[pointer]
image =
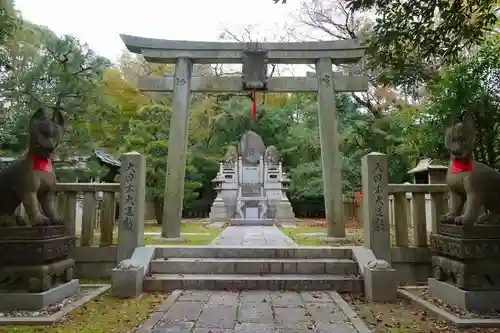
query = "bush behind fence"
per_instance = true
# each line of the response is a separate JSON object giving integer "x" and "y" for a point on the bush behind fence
{"x": 304, "y": 208}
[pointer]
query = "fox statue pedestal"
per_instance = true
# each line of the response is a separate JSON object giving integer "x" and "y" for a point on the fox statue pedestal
{"x": 465, "y": 265}
{"x": 35, "y": 268}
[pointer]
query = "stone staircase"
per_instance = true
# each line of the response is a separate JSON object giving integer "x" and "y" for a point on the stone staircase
{"x": 246, "y": 268}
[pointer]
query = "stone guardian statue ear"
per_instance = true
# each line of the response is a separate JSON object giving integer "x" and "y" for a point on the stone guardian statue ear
{"x": 58, "y": 118}
{"x": 470, "y": 128}
{"x": 469, "y": 123}
{"x": 38, "y": 115}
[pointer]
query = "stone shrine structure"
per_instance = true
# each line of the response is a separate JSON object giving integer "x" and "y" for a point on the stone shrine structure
{"x": 251, "y": 185}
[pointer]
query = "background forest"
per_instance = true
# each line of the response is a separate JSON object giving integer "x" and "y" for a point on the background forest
{"x": 425, "y": 70}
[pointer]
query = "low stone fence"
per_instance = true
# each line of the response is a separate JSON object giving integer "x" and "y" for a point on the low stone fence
{"x": 397, "y": 219}
{"x": 89, "y": 210}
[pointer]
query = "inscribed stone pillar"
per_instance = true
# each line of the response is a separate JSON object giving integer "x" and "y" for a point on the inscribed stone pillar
{"x": 132, "y": 204}
{"x": 330, "y": 156}
{"x": 177, "y": 147}
{"x": 376, "y": 205}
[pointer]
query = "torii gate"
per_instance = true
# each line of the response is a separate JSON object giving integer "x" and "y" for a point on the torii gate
{"x": 254, "y": 57}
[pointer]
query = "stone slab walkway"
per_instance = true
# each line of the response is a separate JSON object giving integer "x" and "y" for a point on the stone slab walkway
{"x": 253, "y": 236}
{"x": 200, "y": 311}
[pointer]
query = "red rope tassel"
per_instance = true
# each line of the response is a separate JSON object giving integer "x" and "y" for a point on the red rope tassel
{"x": 254, "y": 106}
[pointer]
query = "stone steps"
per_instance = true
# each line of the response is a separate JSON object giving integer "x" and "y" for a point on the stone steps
{"x": 311, "y": 282}
{"x": 204, "y": 251}
{"x": 253, "y": 266}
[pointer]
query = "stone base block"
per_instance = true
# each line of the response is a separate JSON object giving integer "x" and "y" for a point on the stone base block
{"x": 380, "y": 285}
{"x": 248, "y": 222}
{"x": 36, "y": 278}
{"x": 468, "y": 274}
{"x": 32, "y": 232}
{"x": 35, "y": 252}
{"x": 127, "y": 282}
{"x": 477, "y": 301}
{"x": 465, "y": 248}
{"x": 471, "y": 232}
{"x": 36, "y": 301}
{"x": 218, "y": 213}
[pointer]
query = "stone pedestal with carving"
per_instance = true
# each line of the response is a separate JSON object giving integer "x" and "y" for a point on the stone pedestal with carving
{"x": 35, "y": 265}
{"x": 218, "y": 211}
{"x": 465, "y": 266}
{"x": 284, "y": 211}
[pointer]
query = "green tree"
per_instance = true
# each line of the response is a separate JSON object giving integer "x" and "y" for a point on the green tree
{"x": 148, "y": 134}
{"x": 9, "y": 22}
{"x": 408, "y": 34}
{"x": 471, "y": 85}
{"x": 57, "y": 73}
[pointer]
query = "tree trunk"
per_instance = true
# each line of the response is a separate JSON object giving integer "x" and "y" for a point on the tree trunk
{"x": 158, "y": 203}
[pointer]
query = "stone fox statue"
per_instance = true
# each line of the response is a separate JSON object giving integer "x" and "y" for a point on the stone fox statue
{"x": 474, "y": 187}
{"x": 30, "y": 180}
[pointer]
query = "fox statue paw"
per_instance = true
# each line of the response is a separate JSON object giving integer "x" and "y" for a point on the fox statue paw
{"x": 41, "y": 220}
{"x": 464, "y": 220}
{"x": 449, "y": 219}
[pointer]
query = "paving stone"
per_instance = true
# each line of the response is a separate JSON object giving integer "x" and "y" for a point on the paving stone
{"x": 195, "y": 295}
{"x": 286, "y": 299}
{"x": 322, "y": 327}
{"x": 255, "y": 296}
{"x": 183, "y": 312}
{"x": 217, "y": 317}
{"x": 253, "y": 236}
{"x": 211, "y": 330}
{"x": 224, "y": 298}
{"x": 292, "y": 316}
{"x": 326, "y": 312}
{"x": 253, "y": 328}
{"x": 316, "y": 297}
{"x": 255, "y": 313}
{"x": 176, "y": 327}
{"x": 295, "y": 328}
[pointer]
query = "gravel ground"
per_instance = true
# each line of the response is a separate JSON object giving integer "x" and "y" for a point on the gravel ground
{"x": 51, "y": 309}
{"x": 463, "y": 314}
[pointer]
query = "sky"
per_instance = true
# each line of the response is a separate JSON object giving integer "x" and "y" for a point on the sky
{"x": 99, "y": 22}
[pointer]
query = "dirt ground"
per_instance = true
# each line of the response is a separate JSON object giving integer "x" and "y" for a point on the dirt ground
{"x": 404, "y": 317}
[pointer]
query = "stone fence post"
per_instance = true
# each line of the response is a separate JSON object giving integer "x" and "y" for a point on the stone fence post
{"x": 376, "y": 205}
{"x": 132, "y": 204}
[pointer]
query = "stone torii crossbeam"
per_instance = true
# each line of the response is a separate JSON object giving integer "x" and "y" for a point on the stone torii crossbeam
{"x": 185, "y": 53}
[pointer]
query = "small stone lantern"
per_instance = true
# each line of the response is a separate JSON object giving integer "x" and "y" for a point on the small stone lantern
{"x": 426, "y": 172}
{"x": 218, "y": 211}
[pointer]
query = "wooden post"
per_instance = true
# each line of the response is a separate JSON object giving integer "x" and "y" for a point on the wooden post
{"x": 107, "y": 218}
{"x": 88, "y": 218}
{"x": 376, "y": 205}
{"x": 401, "y": 219}
{"x": 132, "y": 201}
{"x": 419, "y": 222}
{"x": 177, "y": 147}
{"x": 330, "y": 153}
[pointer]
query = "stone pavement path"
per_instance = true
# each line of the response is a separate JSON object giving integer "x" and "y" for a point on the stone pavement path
{"x": 200, "y": 311}
{"x": 253, "y": 236}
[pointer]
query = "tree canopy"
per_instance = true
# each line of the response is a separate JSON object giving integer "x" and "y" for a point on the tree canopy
{"x": 419, "y": 83}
